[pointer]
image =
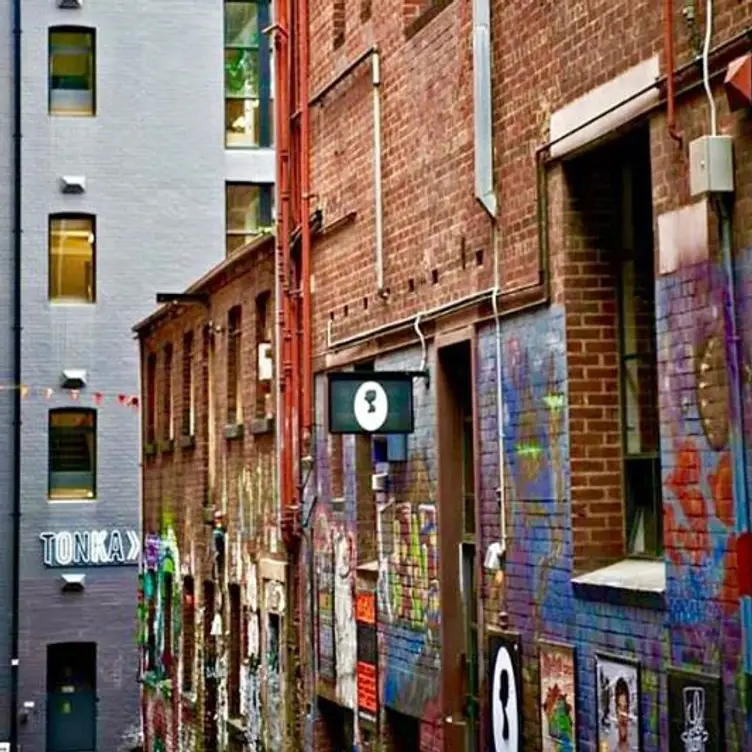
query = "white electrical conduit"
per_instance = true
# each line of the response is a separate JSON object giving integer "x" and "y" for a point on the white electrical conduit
{"x": 377, "y": 187}
{"x": 499, "y": 399}
{"x": 706, "y": 66}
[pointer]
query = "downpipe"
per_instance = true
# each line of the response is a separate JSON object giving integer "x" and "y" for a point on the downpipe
{"x": 17, "y": 229}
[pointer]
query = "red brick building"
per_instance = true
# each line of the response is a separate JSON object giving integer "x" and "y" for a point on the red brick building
{"x": 575, "y": 490}
{"x": 214, "y": 580}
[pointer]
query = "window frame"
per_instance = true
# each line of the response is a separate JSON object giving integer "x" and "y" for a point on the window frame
{"x": 188, "y": 391}
{"x": 265, "y": 86}
{"x": 91, "y": 33}
{"x": 188, "y": 636}
{"x": 637, "y": 250}
{"x": 266, "y": 212}
{"x": 234, "y": 365}
{"x": 72, "y": 216}
{"x": 168, "y": 392}
{"x": 93, "y": 430}
{"x": 150, "y": 407}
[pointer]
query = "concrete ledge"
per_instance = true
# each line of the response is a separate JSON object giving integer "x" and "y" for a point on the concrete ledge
{"x": 632, "y": 582}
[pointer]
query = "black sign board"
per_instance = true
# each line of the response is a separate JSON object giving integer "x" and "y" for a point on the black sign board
{"x": 371, "y": 402}
{"x": 505, "y": 687}
{"x": 695, "y": 712}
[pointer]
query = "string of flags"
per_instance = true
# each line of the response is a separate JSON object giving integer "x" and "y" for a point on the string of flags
{"x": 27, "y": 391}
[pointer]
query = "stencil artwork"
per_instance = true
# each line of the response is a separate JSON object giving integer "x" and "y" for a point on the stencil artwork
{"x": 617, "y": 691}
{"x": 558, "y": 698}
{"x": 695, "y": 714}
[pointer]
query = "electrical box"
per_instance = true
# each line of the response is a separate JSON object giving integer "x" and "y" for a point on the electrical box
{"x": 711, "y": 165}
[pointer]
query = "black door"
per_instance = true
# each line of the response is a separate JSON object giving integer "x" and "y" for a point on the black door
{"x": 72, "y": 697}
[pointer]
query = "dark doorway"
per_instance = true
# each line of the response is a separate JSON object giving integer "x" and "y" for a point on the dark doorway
{"x": 457, "y": 520}
{"x": 72, "y": 697}
{"x": 403, "y": 731}
{"x": 210, "y": 670}
{"x": 339, "y": 726}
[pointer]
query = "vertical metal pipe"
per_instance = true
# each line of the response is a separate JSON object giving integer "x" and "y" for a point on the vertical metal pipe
{"x": 17, "y": 228}
{"x": 377, "y": 179}
{"x": 668, "y": 50}
{"x": 305, "y": 187}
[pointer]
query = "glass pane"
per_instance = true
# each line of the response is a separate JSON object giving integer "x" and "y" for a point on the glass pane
{"x": 642, "y": 478}
{"x": 243, "y": 208}
{"x": 241, "y": 73}
{"x": 241, "y": 24}
{"x": 71, "y": 72}
{"x": 71, "y": 267}
{"x": 72, "y": 451}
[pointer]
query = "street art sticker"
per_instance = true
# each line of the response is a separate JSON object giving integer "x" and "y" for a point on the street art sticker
{"x": 324, "y": 569}
{"x": 505, "y": 701}
{"x": 617, "y": 693}
{"x": 695, "y": 712}
{"x": 558, "y": 697}
{"x": 345, "y": 630}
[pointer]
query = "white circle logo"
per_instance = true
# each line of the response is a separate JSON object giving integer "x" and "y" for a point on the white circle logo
{"x": 504, "y": 703}
{"x": 370, "y": 406}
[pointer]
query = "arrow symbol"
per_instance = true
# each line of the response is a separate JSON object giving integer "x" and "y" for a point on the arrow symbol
{"x": 134, "y": 546}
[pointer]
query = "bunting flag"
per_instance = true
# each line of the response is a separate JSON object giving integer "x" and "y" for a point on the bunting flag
{"x": 28, "y": 391}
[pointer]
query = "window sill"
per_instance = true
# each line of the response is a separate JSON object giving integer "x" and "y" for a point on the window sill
{"x": 53, "y": 500}
{"x": 167, "y": 446}
{"x": 187, "y": 441}
{"x": 261, "y": 426}
{"x": 233, "y": 431}
{"x": 630, "y": 582}
{"x": 425, "y": 17}
{"x": 63, "y": 303}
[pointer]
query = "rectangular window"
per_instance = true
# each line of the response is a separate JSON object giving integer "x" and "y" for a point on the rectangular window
{"x": 189, "y": 633}
{"x": 72, "y": 255}
{"x": 151, "y": 625}
{"x": 189, "y": 395}
{"x": 151, "y": 398}
{"x": 250, "y": 210}
{"x": 264, "y": 356}
{"x": 639, "y": 371}
{"x": 249, "y": 91}
{"x": 234, "y": 367}
{"x": 168, "y": 415}
{"x": 233, "y": 688}
{"x": 72, "y": 71}
{"x": 167, "y": 622}
{"x": 72, "y": 453}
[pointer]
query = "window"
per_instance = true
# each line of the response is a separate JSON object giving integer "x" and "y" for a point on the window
{"x": 151, "y": 626}
{"x": 189, "y": 396}
{"x": 72, "y": 453}
{"x": 72, "y": 71}
{"x": 638, "y": 366}
{"x": 264, "y": 358}
{"x": 338, "y": 23}
{"x": 168, "y": 421}
{"x": 151, "y": 398}
{"x": 234, "y": 368}
{"x": 189, "y": 633}
{"x": 249, "y": 212}
{"x": 236, "y": 623}
{"x": 167, "y": 622}
{"x": 248, "y": 80}
{"x": 72, "y": 254}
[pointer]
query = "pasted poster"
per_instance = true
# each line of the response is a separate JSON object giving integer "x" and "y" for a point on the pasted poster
{"x": 695, "y": 712}
{"x": 617, "y": 692}
{"x": 505, "y": 685}
{"x": 558, "y": 697}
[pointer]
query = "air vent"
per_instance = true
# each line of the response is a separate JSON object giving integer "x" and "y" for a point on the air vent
{"x": 73, "y": 378}
{"x": 72, "y": 184}
{"x": 72, "y": 4}
{"x": 73, "y": 583}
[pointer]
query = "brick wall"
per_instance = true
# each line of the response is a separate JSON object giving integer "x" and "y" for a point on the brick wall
{"x": 177, "y": 477}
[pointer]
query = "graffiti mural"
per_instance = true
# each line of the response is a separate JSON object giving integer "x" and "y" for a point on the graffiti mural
{"x": 345, "y": 628}
{"x": 324, "y": 573}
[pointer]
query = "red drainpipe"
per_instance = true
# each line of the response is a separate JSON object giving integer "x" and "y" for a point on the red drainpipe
{"x": 668, "y": 49}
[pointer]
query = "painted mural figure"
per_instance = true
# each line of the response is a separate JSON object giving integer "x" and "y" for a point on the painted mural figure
{"x": 618, "y": 706}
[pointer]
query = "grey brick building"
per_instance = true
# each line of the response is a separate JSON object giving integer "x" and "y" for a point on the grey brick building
{"x": 139, "y": 123}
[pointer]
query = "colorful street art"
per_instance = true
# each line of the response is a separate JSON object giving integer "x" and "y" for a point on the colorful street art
{"x": 558, "y": 697}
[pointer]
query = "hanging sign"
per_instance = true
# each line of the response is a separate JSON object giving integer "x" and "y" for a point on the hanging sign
{"x": 85, "y": 548}
{"x": 505, "y": 685}
{"x": 373, "y": 402}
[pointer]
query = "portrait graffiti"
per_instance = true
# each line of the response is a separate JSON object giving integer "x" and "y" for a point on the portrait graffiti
{"x": 617, "y": 704}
